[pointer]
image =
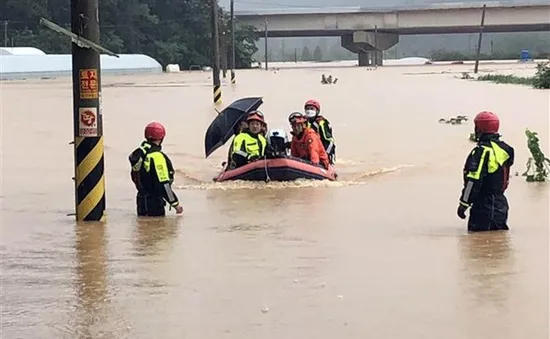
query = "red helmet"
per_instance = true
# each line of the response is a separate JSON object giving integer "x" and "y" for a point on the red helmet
{"x": 313, "y": 103}
{"x": 256, "y": 115}
{"x": 297, "y": 118}
{"x": 155, "y": 131}
{"x": 486, "y": 122}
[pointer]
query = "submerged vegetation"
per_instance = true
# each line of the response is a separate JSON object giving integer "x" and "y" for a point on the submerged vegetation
{"x": 541, "y": 79}
{"x": 506, "y": 79}
{"x": 538, "y": 159}
{"x": 328, "y": 80}
{"x": 454, "y": 121}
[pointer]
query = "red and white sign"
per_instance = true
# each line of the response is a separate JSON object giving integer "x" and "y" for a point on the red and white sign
{"x": 87, "y": 122}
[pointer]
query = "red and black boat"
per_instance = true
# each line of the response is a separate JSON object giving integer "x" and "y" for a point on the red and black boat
{"x": 278, "y": 169}
{"x": 278, "y": 165}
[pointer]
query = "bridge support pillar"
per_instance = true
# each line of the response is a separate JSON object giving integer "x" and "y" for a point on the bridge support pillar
{"x": 364, "y": 43}
{"x": 364, "y": 59}
{"x": 377, "y": 58}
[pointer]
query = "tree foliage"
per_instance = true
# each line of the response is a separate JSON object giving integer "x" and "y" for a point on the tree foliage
{"x": 317, "y": 54}
{"x": 306, "y": 54}
{"x": 542, "y": 77}
{"x": 171, "y": 31}
{"x": 447, "y": 55}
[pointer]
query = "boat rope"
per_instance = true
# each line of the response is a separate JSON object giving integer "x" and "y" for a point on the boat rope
{"x": 267, "y": 178}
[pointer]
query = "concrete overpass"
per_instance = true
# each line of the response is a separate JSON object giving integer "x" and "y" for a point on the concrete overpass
{"x": 357, "y": 26}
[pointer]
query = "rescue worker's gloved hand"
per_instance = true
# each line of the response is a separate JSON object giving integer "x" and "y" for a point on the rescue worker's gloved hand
{"x": 254, "y": 158}
{"x": 461, "y": 211}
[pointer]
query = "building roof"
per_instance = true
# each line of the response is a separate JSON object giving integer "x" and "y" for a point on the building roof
{"x": 28, "y": 66}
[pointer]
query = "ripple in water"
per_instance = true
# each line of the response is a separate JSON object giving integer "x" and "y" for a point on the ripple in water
{"x": 301, "y": 183}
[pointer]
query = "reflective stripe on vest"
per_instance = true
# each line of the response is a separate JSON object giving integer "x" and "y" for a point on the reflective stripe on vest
{"x": 252, "y": 145}
{"x": 497, "y": 157}
{"x": 143, "y": 149}
{"x": 319, "y": 128}
{"x": 161, "y": 167}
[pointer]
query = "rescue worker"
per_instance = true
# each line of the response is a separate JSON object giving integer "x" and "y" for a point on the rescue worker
{"x": 486, "y": 177}
{"x": 306, "y": 143}
{"x": 153, "y": 174}
{"x": 249, "y": 145}
{"x": 241, "y": 126}
{"x": 312, "y": 110}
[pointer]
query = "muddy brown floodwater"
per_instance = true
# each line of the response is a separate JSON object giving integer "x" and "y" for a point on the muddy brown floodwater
{"x": 380, "y": 254}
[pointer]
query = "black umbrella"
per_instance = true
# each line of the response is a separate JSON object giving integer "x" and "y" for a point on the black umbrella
{"x": 224, "y": 126}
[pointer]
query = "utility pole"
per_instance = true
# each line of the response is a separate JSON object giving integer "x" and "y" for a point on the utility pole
{"x": 216, "y": 54}
{"x": 265, "y": 42}
{"x": 223, "y": 53}
{"x": 481, "y": 28}
{"x": 5, "y": 33}
{"x": 88, "y": 121}
{"x": 376, "y": 54}
{"x": 232, "y": 41}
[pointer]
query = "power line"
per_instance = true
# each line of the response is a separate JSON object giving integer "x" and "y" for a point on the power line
{"x": 277, "y": 5}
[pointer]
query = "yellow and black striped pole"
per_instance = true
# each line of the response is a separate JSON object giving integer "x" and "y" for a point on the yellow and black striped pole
{"x": 216, "y": 54}
{"x": 217, "y": 94}
{"x": 232, "y": 7}
{"x": 88, "y": 123}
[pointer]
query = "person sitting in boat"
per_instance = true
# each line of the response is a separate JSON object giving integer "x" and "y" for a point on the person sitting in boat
{"x": 306, "y": 143}
{"x": 241, "y": 126}
{"x": 312, "y": 110}
{"x": 249, "y": 145}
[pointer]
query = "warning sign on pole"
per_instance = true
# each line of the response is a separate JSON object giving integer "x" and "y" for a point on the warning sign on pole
{"x": 87, "y": 122}
{"x": 89, "y": 88}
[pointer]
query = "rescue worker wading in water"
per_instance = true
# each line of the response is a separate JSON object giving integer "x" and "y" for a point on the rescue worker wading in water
{"x": 306, "y": 143}
{"x": 486, "y": 177}
{"x": 321, "y": 125}
{"x": 250, "y": 144}
{"x": 153, "y": 174}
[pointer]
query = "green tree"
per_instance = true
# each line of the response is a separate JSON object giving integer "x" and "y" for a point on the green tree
{"x": 306, "y": 54}
{"x": 317, "y": 54}
{"x": 246, "y": 37}
{"x": 171, "y": 31}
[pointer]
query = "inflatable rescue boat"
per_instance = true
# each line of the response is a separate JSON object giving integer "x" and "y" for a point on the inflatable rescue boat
{"x": 278, "y": 165}
{"x": 278, "y": 169}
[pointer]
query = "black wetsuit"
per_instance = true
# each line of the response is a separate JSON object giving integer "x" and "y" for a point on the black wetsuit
{"x": 486, "y": 177}
{"x": 152, "y": 174}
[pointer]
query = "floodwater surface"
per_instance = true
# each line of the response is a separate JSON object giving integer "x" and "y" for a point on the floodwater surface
{"x": 379, "y": 254}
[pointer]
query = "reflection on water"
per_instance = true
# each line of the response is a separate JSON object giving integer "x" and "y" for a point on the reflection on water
{"x": 357, "y": 178}
{"x": 488, "y": 266}
{"x": 488, "y": 278}
{"x": 372, "y": 255}
{"x": 152, "y": 234}
{"x": 91, "y": 281}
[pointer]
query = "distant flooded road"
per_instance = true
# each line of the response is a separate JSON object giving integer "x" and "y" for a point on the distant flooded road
{"x": 379, "y": 254}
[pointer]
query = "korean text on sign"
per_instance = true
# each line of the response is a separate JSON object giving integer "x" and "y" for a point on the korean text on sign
{"x": 88, "y": 84}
